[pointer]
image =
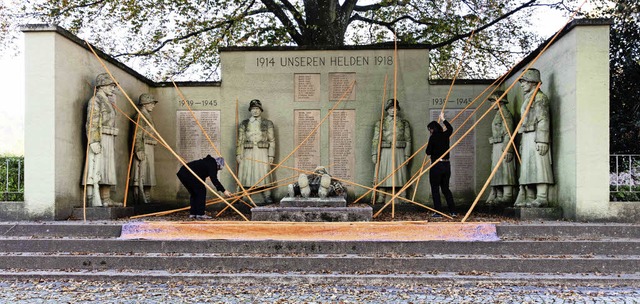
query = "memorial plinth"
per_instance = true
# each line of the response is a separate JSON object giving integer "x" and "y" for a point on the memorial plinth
{"x": 297, "y": 209}
{"x": 103, "y": 213}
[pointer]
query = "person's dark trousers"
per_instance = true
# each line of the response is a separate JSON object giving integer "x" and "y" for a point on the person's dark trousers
{"x": 197, "y": 193}
{"x": 439, "y": 176}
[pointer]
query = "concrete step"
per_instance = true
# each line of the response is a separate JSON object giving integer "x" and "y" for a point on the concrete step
{"x": 546, "y": 230}
{"x": 321, "y": 263}
{"x": 116, "y": 246}
{"x": 333, "y": 278}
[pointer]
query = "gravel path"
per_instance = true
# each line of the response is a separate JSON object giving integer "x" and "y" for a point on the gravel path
{"x": 79, "y": 291}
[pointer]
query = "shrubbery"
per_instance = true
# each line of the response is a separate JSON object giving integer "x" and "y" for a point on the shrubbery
{"x": 11, "y": 189}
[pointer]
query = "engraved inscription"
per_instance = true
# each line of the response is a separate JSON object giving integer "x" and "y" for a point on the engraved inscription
{"x": 191, "y": 142}
{"x": 307, "y": 87}
{"x": 307, "y": 157}
{"x": 342, "y": 143}
{"x": 342, "y": 85}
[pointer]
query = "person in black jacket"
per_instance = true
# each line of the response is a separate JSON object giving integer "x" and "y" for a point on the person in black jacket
{"x": 206, "y": 167}
{"x": 440, "y": 173}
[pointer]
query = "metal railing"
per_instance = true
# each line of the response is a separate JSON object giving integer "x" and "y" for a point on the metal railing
{"x": 12, "y": 178}
{"x": 624, "y": 177}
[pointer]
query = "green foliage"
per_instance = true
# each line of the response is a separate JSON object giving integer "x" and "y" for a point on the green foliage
{"x": 624, "y": 75}
{"x": 170, "y": 38}
{"x": 11, "y": 189}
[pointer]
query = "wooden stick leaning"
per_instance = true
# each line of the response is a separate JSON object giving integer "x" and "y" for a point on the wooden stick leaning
{"x": 511, "y": 134}
{"x": 359, "y": 185}
{"x": 504, "y": 153}
{"x": 209, "y": 202}
{"x": 445, "y": 153}
{"x": 344, "y": 95}
{"x": 375, "y": 176}
{"x": 226, "y": 164}
{"x": 419, "y": 150}
{"x": 86, "y": 164}
{"x": 444, "y": 104}
{"x": 395, "y": 116}
{"x": 156, "y": 131}
{"x": 133, "y": 146}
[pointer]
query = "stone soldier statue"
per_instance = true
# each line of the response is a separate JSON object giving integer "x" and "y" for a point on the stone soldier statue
{"x": 402, "y": 148}
{"x": 101, "y": 134}
{"x": 256, "y": 147}
{"x": 319, "y": 184}
{"x": 536, "y": 173}
{"x": 504, "y": 181}
{"x": 144, "y": 176}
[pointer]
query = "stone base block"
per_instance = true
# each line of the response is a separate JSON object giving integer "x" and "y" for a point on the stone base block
{"x": 533, "y": 214}
{"x": 313, "y": 202}
{"x": 103, "y": 213}
{"x": 312, "y": 214}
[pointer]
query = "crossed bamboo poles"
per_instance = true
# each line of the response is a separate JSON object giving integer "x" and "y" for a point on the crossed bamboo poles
{"x": 394, "y": 195}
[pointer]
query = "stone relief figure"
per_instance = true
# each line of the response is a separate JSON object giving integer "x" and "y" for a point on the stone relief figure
{"x": 101, "y": 134}
{"x": 535, "y": 145}
{"x": 318, "y": 184}
{"x": 144, "y": 173}
{"x": 504, "y": 181}
{"x": 255, "y": 149}
{"x": 402, "y": 148}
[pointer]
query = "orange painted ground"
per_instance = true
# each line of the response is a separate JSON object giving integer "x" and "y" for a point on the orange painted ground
{"x": 292, "y": 231}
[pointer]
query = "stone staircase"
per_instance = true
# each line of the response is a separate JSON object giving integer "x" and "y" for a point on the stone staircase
{"x": 549, "y": 252}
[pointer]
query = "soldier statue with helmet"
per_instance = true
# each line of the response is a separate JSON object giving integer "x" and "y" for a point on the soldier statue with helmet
{"x": 383, "y": 141}
{"x": 504, "y": 181}
{"x": 255, "y": 150}
{"x": 100, "y": 171}
{"x": 143, "y": 175}
{"x": 536, "y": 173}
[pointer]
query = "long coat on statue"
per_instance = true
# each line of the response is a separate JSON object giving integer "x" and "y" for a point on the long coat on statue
{"x": 402, "y": 150}
{"x": 499, "y": 140}
{"x": 101, "y": 128}
{"x": 256, "y": 141}
{"x": 144, "y": 170}
{"x": 535, "y": 168}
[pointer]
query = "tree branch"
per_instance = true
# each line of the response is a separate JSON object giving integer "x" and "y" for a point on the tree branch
{"x": 279, "y": 13}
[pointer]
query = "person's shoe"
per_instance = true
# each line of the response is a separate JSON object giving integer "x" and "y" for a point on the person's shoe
{"x": 192, "y": 216}
{"x": 453, "y": 214}
{"x": 436, "y": 215}
{"x": 203, "y": 217}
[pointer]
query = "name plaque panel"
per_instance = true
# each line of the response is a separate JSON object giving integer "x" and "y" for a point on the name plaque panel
{"x": 339, "y": 84}
{"x": 307, "y": 157}
{"x": 463, "y": 156}
{"x": 306, "y": 87}
{"x": 342, "y": 144}
{"x": 192, "y": 144}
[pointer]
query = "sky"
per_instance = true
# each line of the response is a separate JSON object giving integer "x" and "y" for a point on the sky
{"x": 12, "y": 86}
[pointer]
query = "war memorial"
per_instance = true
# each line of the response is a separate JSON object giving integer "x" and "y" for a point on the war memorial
{"x": 309, "y": 133}
{"x": 317, "y": 107}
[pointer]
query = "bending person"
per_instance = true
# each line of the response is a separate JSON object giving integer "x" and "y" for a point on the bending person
{"x": 203, "y": 168}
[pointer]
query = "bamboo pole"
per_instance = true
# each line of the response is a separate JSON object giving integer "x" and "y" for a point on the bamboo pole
{"x": 156, "y": 131}
{"x": 86, "y": 162}
{"x": 133, "y": 146}
{"x": 513, "y": 143}
{"x": 346, "y": 93}
{"x": 237, "y": 133}
{"x": 504, "y": 153}
{"x": 226, "y": 164}
{"x": 395, "y": 116}
{"x": 209, "y": 202}
{"x": 450, "y": 148}
{"x": 498, "y": 81}
{"x": 375, "y": 176}
{"x": 359, "y": 185}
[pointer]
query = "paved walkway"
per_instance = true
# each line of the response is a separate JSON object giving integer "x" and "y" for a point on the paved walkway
{"x": 63, "y": 291}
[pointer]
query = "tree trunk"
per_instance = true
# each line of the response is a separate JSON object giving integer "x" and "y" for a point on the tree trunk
{"x": 325, "y": 24}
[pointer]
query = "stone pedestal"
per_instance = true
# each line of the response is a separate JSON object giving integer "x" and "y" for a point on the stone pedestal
{"x": 533, "y": 214}
{"x": 103, "y": 213}
{"x": 296, "y": 209}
